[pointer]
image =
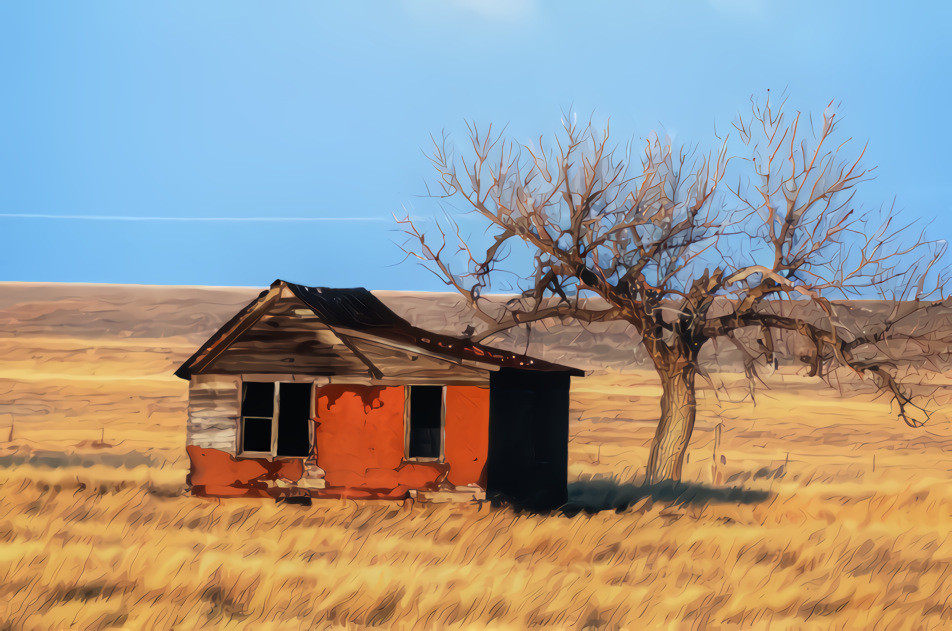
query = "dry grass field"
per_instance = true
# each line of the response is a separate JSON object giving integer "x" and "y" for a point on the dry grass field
{"x": 806, "y": 510}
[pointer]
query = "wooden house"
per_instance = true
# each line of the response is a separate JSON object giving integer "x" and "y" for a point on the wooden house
{"x": 319, "y": 392}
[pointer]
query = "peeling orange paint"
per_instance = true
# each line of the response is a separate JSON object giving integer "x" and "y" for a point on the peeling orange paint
{"x": 359, "y": 440}
{"x": 359, "y": 444}
{"x": 219, "y": 473}
{"x": 467, "y": 434}
{"x": 369, "y": 395}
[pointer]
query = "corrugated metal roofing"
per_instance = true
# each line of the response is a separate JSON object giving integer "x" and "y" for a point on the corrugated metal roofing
{"x": 354, "y": 308}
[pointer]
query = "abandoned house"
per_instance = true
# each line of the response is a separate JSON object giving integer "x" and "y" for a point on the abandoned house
{"x": 310, "y": 391}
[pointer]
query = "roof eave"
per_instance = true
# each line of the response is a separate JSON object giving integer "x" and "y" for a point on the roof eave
{"x": 245, "y": 318}
{"x": 207, "y": 352}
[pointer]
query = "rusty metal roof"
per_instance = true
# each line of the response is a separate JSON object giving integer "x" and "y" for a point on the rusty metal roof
{"x": 354, "y": 308}
{"x": 357, "y": 309}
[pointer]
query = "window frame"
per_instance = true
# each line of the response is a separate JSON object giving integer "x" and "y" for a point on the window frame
{"x": 406, "y": 425}
{"x": 275, "y": 419}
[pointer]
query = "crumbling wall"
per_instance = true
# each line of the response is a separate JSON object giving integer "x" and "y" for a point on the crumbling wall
{"x": 216, "y": 473}
{"x": 358, "y": 446}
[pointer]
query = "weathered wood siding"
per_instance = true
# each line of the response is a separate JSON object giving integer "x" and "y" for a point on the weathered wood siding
{"x": 213, "y": 410}
{"x": 291, "y": 340}
{"x": 288, "y": 339}
{"x": 406, "y": 367}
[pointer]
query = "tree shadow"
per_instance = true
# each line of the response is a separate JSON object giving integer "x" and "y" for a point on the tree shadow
{"x": 598, "y": 494}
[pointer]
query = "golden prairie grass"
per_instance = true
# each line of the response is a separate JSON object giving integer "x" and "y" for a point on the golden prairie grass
{"x": 91, "y": 549}
{"x": 806, "y": 510}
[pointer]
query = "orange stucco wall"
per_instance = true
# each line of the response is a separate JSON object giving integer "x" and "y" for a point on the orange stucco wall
{"x": 359, "y": 443}
{"x": 467, "y": 434}
{"x": 215, "y": 472}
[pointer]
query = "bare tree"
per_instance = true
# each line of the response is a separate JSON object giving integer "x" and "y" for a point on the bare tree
{"x": 669, "y": 246}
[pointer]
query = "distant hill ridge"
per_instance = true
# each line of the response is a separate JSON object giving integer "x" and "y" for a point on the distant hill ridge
{"x": 191, "y": 314}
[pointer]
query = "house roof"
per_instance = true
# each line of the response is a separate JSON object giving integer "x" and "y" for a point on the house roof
{"x": 357, "y": 310}
{"x": 354, "y": 308}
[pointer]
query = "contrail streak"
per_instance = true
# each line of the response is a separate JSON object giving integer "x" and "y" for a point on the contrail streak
{"x": 137, "y": 218}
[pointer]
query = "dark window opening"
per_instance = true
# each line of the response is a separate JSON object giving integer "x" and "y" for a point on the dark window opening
{"x": 288, "y": 423}
{"x": 294, "y": 412}
{"x": 256, "y": 434}
{"x": 425, "y": 419}
{"x": 257, "y": 399}
{"x": 257, "y": 416}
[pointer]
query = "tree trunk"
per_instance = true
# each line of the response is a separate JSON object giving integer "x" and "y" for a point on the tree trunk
{"x": 678, "y": 408}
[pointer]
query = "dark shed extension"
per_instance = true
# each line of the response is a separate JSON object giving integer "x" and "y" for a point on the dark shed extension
{"x": 527, "y": 461}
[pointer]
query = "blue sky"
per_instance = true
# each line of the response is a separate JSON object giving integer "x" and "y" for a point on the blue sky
{"x": 150, "y": 112}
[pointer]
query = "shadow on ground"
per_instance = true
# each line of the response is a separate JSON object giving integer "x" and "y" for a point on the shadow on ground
{"x": 598, "y": 494}
{"x": 57, "y": 459}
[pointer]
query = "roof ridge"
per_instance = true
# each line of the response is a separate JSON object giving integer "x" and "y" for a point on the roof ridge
{"x": 357, "y": 309}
